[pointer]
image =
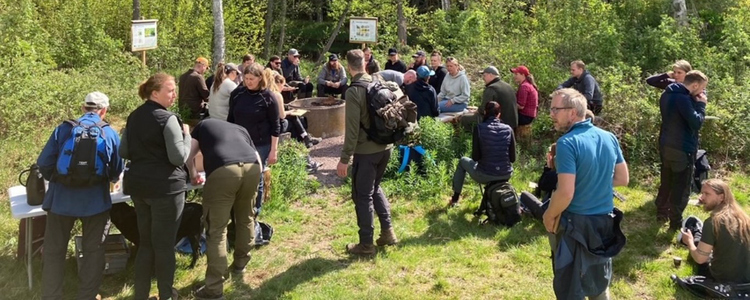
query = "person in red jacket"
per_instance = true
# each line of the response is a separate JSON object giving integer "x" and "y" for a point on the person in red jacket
{"x": 527, "y": 95}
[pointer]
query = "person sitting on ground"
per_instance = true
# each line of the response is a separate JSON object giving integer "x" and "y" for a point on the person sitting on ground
{"x": 436, "y": 64}
{"x": 332, "y": 78}
{"x": 274, "y": 63}
{"x": 583, "y": 82}
{"x": 680, "y": 68}
{"x": 422, "y": 94}
{"x": 372, "y": 65}
{"x": 455, "y": 91}
{"x": 546, "y": 184}
{"x": 420, "y": 59}
{"x": 224, "y": 83}
{"x": 247, "y": 60}
{"x": 290, "y": 68}
{"x": 724, "y": 247}
{"x": 394, "y": 63}
{"x": 527, "y": 96}
{"x": 493, "y": 152}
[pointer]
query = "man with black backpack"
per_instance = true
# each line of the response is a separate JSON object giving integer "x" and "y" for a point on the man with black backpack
{"x": 80, "y": 159}
{"x": 371, "y": 150}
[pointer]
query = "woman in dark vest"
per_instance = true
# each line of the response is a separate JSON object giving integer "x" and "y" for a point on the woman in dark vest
{"x": 493, "y": 152}
{"x": 157, "y": 144}
{"x": 254, "y": 107}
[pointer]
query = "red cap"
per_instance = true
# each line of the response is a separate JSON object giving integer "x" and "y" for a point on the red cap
{"x": 523, "y": 70}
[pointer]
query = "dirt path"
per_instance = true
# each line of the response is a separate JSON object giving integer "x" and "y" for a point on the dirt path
{"x": 328, "y": 153}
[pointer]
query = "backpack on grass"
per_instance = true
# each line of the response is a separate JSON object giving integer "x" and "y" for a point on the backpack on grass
{"x": 500, "y": 204}
{"x": 83, "y": 159}
{"x": 389, "y": 115}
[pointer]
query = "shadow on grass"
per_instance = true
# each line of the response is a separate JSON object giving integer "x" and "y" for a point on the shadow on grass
{"x": 451, "y": 225}
{"x": 282, "y": 283}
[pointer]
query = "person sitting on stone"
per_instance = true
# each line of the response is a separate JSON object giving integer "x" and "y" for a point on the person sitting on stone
{"x": 723, "y": 251}
{"x": 290, "y": 68}
{"x": 422, "y": 94}
{"x": 332, "y": 78}
{"x": 436, "y": 64}
{"x": 546, "y": 184}
{"x": 493, "y": 152}
{"x": 455, "y": 91}
{"x": 394, "y": 63}
{"x": 420, "y": 59}
{"x": 371, "y": 64}
{"x": 583, "y": 82}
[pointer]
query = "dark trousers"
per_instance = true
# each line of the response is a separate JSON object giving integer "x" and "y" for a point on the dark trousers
{"x": 56, "y": 237}
{"x": 674, "y": 191}
{"x": 367, "y": 172}
{"x": 594, "y": 107}
{"x": 304, "y": 90}
{"x": 293, "y": 125}
{"x": 158, "y": 220}
{"x": 524, "y": 120}
{"x": 533, "y": 205}
{"x": 324, "y": 90}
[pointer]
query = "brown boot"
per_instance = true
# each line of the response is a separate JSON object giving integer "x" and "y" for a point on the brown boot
{"x": 361, "y": 249}
{"x": 387, "y": 237}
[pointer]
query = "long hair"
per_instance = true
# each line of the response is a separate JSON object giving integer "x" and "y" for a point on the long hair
{"x": 219, "y": 75}
{"x": 531, "y": 80}
{"x": 257, "y": 70}
{"x": 729, "y": 213}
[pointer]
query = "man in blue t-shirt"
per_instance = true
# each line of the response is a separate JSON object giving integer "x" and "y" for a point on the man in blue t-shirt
{"x": 589, "y": 163}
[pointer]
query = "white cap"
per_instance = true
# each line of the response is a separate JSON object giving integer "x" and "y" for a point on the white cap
{"x": 96, "y": 100}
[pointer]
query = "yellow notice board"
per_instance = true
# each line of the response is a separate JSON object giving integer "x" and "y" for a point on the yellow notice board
{"x": 143, "y": 34}
{"x": 363, "y": 30}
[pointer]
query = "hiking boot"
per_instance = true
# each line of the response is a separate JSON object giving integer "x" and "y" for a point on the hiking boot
{"x": 311, "y": 141}
{"x": 236, "y": 270}
{"x": 361, "y": 249}
{"x": 454, "y": 200}
{"x": 203, "y": 294}
{"x": 387, "y": 237}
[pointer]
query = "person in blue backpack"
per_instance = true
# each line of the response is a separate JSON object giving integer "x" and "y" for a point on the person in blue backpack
{"x": 78, "y": 193}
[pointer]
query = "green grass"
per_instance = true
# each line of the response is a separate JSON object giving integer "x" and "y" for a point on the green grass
{"x": 441, "y": 255}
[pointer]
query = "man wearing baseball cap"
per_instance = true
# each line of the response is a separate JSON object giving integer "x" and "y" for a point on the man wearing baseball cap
{"x": 423, "y": 94}
{"x": 192, "y": 90}
{"x": 394, "y": 63}
{"x": 290, "y": 68}
{"x": 332, "y": 78}
{"x": 420, "y": 59}
{"x": 67, "y": 200}
{"x": 495, "y": 89}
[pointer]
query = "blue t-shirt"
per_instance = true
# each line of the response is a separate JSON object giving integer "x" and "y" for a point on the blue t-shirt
{"x": 590, "y": 154}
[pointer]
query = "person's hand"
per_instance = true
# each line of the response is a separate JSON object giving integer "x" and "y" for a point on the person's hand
{"x": 702, "y": 98}
{"x": 336, "y": 85}
{"x": 328, "y": 83}
{"x": 550, "y": 223}
{"x": 670, "y": 74}
{"x": 185, "y": 129}
{"x": 197, "y": 179}
{"x": 272, "y": 158}
{"x": 342, "y": 169}
{"x": 449, "y": 103}
{"x": 687, "y": 237}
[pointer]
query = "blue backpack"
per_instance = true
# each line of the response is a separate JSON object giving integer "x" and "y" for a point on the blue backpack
{"x": 83, "y": 159}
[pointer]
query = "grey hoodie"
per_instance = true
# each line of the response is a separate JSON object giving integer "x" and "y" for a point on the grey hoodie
{"x": 455, "y": 88}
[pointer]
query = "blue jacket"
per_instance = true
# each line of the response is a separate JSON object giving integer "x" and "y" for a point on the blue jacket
{"x": 424, "y": 96}
{"x": 78, "y": 202}
{"x": 583, "y": 255}
{"x": 681, "y": 118}
{"x": 494, "y": 147}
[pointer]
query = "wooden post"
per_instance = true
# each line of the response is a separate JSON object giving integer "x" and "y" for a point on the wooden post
{"x": 364, "y": 45}
{"x": 143, "y": 57}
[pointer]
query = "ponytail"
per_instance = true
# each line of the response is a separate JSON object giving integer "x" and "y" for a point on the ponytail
{"x": 530, "y": 79}
{"x": 219, "y": 76}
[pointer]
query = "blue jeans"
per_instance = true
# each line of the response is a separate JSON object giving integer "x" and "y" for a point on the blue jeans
{"x": 456, "y": 107}
{"x": 263, "y": 151}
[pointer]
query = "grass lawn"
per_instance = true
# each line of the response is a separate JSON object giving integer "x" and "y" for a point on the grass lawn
{"x": 441, "y": 255}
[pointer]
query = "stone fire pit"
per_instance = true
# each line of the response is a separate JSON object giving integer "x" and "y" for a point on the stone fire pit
{"x": 325, "y": 115}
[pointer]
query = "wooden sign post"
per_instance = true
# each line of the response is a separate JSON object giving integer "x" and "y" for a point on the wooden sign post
{"x": 144, "y": 36}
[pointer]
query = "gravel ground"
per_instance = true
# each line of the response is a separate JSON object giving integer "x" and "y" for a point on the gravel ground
{"x": 328, "y": 152}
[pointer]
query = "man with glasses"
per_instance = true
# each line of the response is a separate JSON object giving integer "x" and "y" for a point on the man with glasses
{"x": 290, "y": 68}
{"x": 583, "y": 223}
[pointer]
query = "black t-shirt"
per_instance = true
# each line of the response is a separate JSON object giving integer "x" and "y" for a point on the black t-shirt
{"x": 223, "y": 143}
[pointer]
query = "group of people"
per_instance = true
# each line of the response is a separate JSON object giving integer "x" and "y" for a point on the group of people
{"x": 240, "y": 138}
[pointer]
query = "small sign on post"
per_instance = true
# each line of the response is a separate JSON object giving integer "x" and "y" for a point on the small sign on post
{"x": 363, "y": 30}
{"x": 144, "y": 36}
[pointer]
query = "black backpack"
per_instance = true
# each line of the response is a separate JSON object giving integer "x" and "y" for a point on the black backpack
{"x": 389, "y": 115}
{"x": 500, "y": 204}
{"x": 701, "y": 170}
{"x": 705, "y": 288}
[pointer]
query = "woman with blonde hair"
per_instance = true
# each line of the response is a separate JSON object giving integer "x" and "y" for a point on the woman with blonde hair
{"x": 680, "y": 68}
{"x": 455, "y": 91}
{"x": 724, "y": 238}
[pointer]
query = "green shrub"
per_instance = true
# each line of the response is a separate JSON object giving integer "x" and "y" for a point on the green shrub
{"x": 290, "y": 180}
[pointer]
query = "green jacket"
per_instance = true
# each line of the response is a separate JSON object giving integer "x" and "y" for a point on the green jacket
{"x": 502, "y": 93}
{"x": 355, "y": 138}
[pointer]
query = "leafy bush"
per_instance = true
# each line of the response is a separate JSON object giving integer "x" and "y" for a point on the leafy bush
{"x": 290, "y": 180}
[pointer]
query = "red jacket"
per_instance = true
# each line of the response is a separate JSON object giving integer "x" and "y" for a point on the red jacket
{"x": 528, "y": 97}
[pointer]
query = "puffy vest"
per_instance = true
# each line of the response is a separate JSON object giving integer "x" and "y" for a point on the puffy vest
{"x": 149, "y": 173}
{"x": 494, "y": 140}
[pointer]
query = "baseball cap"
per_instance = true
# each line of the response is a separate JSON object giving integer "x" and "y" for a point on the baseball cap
{"x": 419, "y": 53}
{"x": 202, "y": 60}
{"x": 293, "y": 52}
{"x": 231, "y": 67}
{"x": 491, "y": 70}
{"x": 392, "y": 51}
{"x": 96, "y": 100}
{"x": 523, "y": 70}
{"x": 333, "y": 57}
{"x": 424, "y": 72}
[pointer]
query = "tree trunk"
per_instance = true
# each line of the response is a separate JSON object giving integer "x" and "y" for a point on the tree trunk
{"x": 321, "y": 6}
{"x": 136, "y": 9}
{"x": 335, "y": 32}
{"x": 401, "y": 23}
{"x": 680, "y": 12}
{"x": 218, "y": 13}
{"x": 446, "y": 4}
{"x": 282, "y": 32}
{"x": 269, "y": 26}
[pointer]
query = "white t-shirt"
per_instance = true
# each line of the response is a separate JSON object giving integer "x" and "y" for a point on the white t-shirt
{"x": 218, "y": 101}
